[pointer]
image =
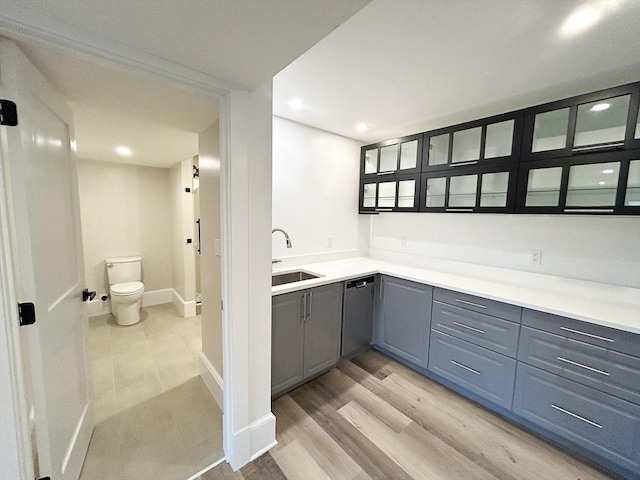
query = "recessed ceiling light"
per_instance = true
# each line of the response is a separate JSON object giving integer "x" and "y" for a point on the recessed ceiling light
{"x": 296, "y": 104}
{"x": 123, "y": 151}
{"x": 73, "y": 145}
{"x": 362, "y": 127}
{"x": 601, "y": 182}
{"x": 607, "y": 171}
{"x": 598, "y": 107}
{"x": 580, "y": 20}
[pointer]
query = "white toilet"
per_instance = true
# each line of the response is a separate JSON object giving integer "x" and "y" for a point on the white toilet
{"x": 126, "y": 289}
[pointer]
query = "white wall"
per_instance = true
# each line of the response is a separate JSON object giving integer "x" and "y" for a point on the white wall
{"x": 182, "y": 227}
{"x": 315, "y": 194}
{"x": 125, "y": 210}
{"x": 600, "y": 249}
{"x": 210, "y": 263}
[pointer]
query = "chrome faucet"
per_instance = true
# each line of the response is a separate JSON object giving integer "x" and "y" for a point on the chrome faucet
{"x": 286, "y": 236}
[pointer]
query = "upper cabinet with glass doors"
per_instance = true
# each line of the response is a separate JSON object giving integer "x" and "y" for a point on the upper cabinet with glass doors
{"x": 601, "y": 121}
{"x": 493, "y": 140}
{"x": 394, "y": 157}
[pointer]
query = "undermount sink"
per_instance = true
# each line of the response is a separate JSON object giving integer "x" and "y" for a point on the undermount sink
{"x": 290, "y": 277}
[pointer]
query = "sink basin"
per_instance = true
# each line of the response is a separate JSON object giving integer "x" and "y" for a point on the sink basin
{"x": 290, "y": 277}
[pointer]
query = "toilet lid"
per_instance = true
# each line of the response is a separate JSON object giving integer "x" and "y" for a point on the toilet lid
{"x": 127, "y": 288}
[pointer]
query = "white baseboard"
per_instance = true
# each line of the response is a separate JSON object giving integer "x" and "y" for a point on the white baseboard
{"x": 212, "y": 379}
{"x": 157, "y": 297}
{"x": 186, "y": 308}
{"x": 250, "y": 442}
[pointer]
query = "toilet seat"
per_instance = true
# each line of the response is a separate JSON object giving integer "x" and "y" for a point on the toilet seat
{"x": 127, "y": 288}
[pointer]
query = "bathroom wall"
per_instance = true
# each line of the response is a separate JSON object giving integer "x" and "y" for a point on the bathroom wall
{"x": 315, "y": 194}
{"x": 125, "y": 210}
{"x": 183, "y": 253}
{"x": 211, "y": 264}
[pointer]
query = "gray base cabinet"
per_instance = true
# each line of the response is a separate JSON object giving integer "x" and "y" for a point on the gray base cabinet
{"x": 404, "y": 319}
{"x": 486, "y": 373}
{"x": 592, "y": 419}
{"x": 305, "y": 337}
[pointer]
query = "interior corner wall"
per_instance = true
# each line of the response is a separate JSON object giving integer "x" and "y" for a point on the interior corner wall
{"x": 124, "y": 211}
{"x": 315, "y": 195}
{"x": 177, "y": 241}
{"x": 211, "y": 264}
{"x": 593, "y": 248}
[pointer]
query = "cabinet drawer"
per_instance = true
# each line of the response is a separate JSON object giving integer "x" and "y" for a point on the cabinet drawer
{"x": 477, "y": 369}
{"x": 602, "y": 423}
{"x": 478, "y": 304}
{"x": 490, "y": 332}
{"x": 605, "y": 337}
{"x": 606, "y": 370}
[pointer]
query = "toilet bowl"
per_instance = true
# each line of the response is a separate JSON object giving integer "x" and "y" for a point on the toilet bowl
{"x": 125, "y": 288}
{"x": 126, "y": 301}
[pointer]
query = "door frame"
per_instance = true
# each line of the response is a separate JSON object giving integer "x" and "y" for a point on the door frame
{"x": 244, "y": 437}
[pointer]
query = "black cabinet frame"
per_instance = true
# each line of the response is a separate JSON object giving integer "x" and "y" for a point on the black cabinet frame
{"x": 623, "y": 157}
{"x": 389, "y": 178}
{"x": 516, "y": 140}
{"x": 512, "y": 170}
{"x": 573, "y": 103}
{"x": 397, "y": 171}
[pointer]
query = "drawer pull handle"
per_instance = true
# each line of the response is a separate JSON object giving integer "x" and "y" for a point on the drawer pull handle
{"x": 560, "y": 409}
{"x": 565, "y": 360}
{"x": 468, "y": 327}
{"x": 471, "y": 303}
{"x": 465, "y": 367}
{"x": 567, "y": 329}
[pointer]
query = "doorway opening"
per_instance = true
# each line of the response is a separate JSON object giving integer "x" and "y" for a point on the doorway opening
{"x": 154, "y": 374}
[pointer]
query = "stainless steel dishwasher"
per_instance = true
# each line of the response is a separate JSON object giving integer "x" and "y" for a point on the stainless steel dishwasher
{"x": 357, "y": 324}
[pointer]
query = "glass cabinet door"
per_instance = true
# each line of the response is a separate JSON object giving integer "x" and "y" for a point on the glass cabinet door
{"x": 493, "y": 189}
{"x": 462, "y": 191}
{"x": 407, "y": 193}
{"x": 466, "y": 145}
{"x": 409, "y": 155}
{"x": 389, "y": 158}
{"x": 438, "y": 150}
{"x": 593, "y": 185}
{"x": 603, "y": 121}
{"x": 369, "y": 195}
{"x": 499, "y": 139}
{"x": 550, "y": 130}
{"x": 371, "y": 161}
{"x": 543, "y": 187}
{"x": 435, "y": 192}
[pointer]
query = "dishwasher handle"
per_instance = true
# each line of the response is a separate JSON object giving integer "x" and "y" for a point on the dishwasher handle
{"x": 360, "y": 283}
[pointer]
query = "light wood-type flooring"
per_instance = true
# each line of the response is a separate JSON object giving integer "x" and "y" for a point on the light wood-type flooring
{"x": 372, "y": 418}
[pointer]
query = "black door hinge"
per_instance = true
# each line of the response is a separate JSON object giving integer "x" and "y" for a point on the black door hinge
{"x": 27, "y": 313}
{"x": 8, "y": 113}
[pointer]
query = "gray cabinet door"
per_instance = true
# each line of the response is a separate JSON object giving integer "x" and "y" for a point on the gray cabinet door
{"x": 322, "y": 328}
{"x": 405, "y": 319}
{"x": 287, "y": 317}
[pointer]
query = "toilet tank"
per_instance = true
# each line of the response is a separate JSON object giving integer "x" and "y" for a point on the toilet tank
{"x": 124, "y": 269}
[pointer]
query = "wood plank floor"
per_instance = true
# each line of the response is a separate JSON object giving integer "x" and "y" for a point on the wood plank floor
{"x": 372, "y": 418}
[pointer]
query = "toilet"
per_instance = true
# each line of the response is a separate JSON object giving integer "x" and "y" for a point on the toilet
{"x": 125, "y": 288}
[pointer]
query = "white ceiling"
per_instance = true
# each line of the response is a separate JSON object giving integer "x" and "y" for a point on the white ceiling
{"x": 412, "y": 65}
{"x": 238, "y": 44}
{"x": 114, "y": 106}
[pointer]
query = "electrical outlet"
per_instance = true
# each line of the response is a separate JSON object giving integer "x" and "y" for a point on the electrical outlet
{"x": 403, "y": 242}
{"x": 535, "y": 257}
{"x": 329, "y": 241}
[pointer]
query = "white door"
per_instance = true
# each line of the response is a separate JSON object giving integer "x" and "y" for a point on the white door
{"x": 50, "y": 273}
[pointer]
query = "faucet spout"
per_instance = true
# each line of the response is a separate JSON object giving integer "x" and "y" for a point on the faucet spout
{"x": 286, "y": 236}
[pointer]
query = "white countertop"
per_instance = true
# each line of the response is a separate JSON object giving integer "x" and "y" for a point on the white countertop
{"x": 598, "y": 303}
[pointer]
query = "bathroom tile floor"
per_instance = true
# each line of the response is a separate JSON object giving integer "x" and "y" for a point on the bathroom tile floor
{"x": 155, "y": 417}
